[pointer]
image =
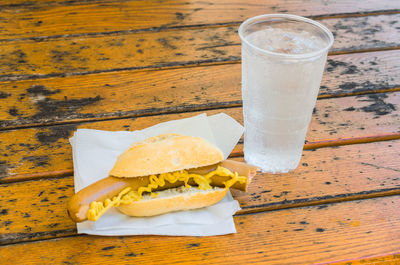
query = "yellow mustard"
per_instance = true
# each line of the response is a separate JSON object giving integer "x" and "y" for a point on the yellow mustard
{"x": 127, "y": 196}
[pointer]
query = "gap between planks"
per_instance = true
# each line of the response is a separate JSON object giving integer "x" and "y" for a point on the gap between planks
{"x": 237, "y": 153}
{"x": 168, "y": 66}
{"x": 68, "y": 233}
{"x": 177, "y": 110}
{"x": 197, "y": 26}
{"x": 371, "y": 43}
{"x": 320, "y": 201}
{"x": 360, "y": 184}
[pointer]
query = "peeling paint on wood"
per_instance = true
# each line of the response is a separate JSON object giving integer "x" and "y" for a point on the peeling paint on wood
{"x": 377, "y": 105}
{"x": 59, "y": 73}
{"x": 36, "y": 150}
{"x": 197, "y": 46}
{"x": 303, "y": 230}
{"x": 267, "y": 192}
{"x": 47, "y": 18}
{"x": 104, "y": 96}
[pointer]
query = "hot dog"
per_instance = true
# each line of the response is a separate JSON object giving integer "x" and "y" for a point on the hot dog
{"x": 146, "y": 165}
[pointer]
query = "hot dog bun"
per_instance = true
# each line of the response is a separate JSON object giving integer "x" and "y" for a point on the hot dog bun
{"x": 188, "y": 169}
{"x": 165, "y": 153}
{"x": 172, "y": 200}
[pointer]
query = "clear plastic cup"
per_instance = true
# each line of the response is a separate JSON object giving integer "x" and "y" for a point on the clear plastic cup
{"x": 283, "y": 59}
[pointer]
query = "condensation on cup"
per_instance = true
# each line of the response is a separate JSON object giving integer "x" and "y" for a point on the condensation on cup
{"x": 283, "y": 59}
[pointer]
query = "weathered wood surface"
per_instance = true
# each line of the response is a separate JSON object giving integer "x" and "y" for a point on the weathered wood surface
{"x": 37, "y": 150}
{"x": 27, "y": 19}
{"x": 126, "y": 65}
{"x": 180, "y": 47}
{"x": 305, "y": 235}
{"x": 392, "y": 259}
{"x": 138, "y": 93}
{"x": 35, "y": 210}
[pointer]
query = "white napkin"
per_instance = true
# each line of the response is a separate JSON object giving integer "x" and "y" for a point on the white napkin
{"x": 95, "y": 152}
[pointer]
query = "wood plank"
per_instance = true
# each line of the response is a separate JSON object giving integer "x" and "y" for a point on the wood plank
{"x": 392, "y": 259}
{"x": 306, "y": 235}
{"x": 173, "y": 48}
{"x": 22, "y": 4}
{"x": 325, "y": 175}
{"x": 53, "y": 18}
{"x": 112, "y": 95}
{"x": 37, "y": 150}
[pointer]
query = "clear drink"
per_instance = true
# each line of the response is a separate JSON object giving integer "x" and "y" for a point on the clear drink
{"x": 283, "y": 58}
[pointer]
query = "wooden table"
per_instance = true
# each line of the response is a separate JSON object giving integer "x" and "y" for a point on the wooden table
{"x": 126, "y": 65}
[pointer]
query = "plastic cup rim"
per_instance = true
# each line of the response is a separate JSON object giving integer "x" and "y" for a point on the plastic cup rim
{"x": 292, "y": 17}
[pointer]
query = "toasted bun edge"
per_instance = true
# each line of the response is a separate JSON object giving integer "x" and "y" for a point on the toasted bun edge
{"x": 165, "y": 153}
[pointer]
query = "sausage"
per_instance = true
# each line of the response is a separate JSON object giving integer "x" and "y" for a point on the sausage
{"x": 111, "y": 186}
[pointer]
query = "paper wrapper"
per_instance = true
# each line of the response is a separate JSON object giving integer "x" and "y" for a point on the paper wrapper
{"x": 95, "y": 152}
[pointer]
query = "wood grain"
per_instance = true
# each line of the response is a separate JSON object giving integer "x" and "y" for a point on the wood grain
{"x": 22, "y": 4}
{"x": 392, "y": 259}
{"x": 55, "y": 18}
{"x": 304, "y": 235}
{"x": 138, "y": 93}
{"x": 325, "y": 175}
{"x": 127, "y": 65}
{"x": 36, "y": 150}
{"x": 174, "y": 48}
